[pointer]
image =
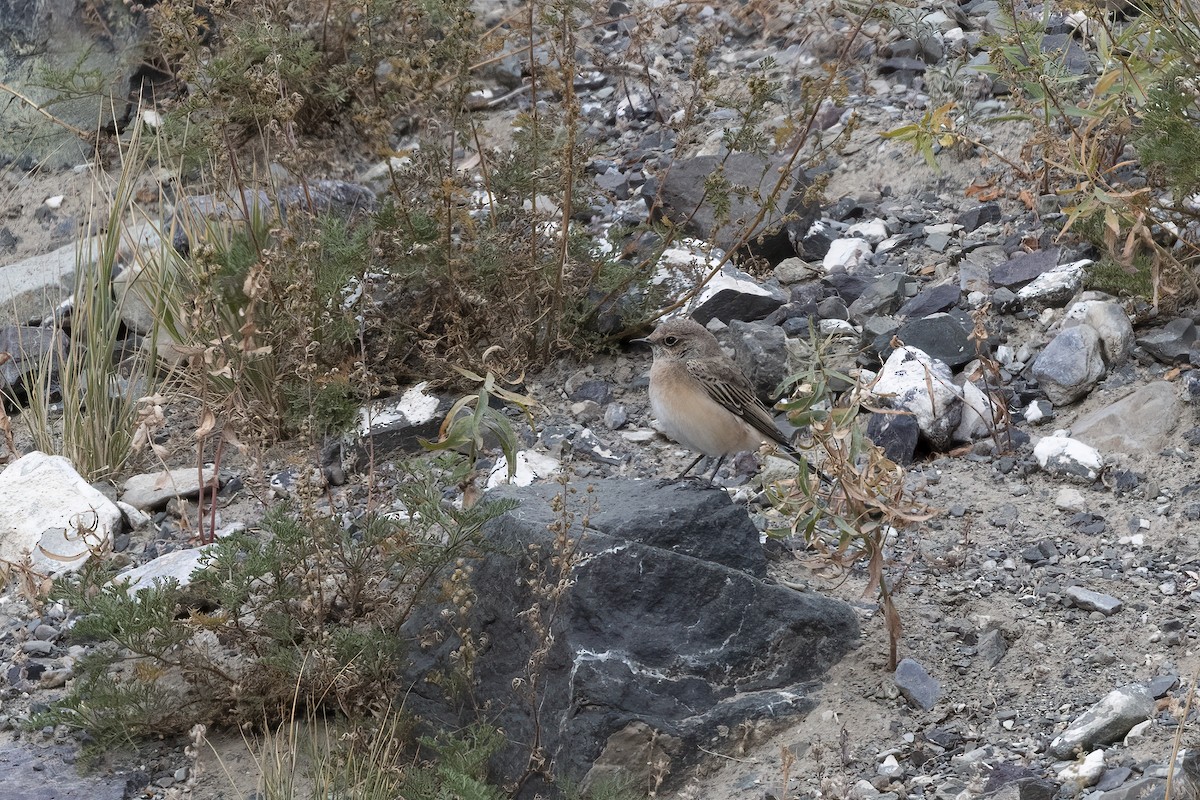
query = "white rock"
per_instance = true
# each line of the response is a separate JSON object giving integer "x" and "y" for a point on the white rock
{"x": 416, "y": 406}
{"x": 531, "y": 466}
{"x": 1085, "y": 772}
{"x": 730, "y": 279}
{"x": 873, "y": 230}
{"x": 1061, "y": 455}
{"x": 978, "y": 414}
{"x": 48, "y": 511}
{"x": 54, "y": 202}
{"x": 134, "y": 518}
{"x": 1069, "y": 499}
{"x": 151, "y": 118}
{"x": 846, "y": 254}
{"x": 924, "y": 386}
{"x": 890, "y": 767}
{"x": 1054, "y": 287}
{"x": 178, "y": 564}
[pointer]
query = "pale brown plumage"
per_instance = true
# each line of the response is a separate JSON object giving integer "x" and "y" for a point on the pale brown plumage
{"x": 701, "y": 398}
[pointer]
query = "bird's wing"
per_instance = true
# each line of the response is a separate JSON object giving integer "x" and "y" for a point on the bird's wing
{"x": 726, "y": 384}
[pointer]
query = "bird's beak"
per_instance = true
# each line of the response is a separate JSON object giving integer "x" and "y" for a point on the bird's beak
{"x": 642, "y": 341}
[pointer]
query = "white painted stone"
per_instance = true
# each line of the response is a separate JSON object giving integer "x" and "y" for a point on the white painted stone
{"x": 924, "y": 386}
{"x": 729, "y": 279}
{"x": 531, "y": 466}
{"x": 1061, "y": 455}
{"x": 154, "y": 489}
{"x": 846, "y": 254}
{"x": 416, "y": 406}
{"x": 48, "y": 511}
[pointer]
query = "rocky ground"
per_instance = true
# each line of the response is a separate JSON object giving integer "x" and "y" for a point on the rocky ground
{"x": 1057, "y": 571}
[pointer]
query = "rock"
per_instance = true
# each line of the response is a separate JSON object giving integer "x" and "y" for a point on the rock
{"x": 399, "y": 423}
{"x": 992, "y": 647}
{"x": 941, "y": 337}
{"x": 910, "y": 380}
{"x": 915, "y": 684}
{"x": 178, "y": 565}
{"x": 1071, "y": 458}
{"x": 975, "y": 270}
{"x": 931, "y": 300}
{"x": 596, "y": 391}
{"x": 531, "y": 466}
{"x": 684, "y": 202}
{"x": 1111, "y": 324}
{"x": 1172, "y": 343}
{"x": 896, "y": 434}
{"x": 1070, "y": 365}
{"x": 733, "y": 294}
{"x": 153, "y": 490}
{"x": 31, "y": 289}
{"x": 846, "y": 254}
{"x": 1085, "y": 772}
{"x": 27, "y": 347}
{"x": 1054, "y": 288}
{"x": 1140, "y": 423}
{"x": 980, "y": 414}
{"x": 761, "y": 350}
{"x": 1069, "y": 499}
{"x": 1106, "y": 721}
{"x": 1023, "y": 268}
{"x": 872, "y": 231}
{"x": 1088, "y": 600}
{"x": 50, "y": 512}
{"x": 983, "y": 214}
{"x": 882, "y": 296}
{"x": 645, "y": 632}
{"x": 1112, "y": 778}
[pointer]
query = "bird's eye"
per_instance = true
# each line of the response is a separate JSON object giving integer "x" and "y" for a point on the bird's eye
{"x": 671, "y": 341}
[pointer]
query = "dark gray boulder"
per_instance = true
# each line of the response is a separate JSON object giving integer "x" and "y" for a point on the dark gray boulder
{"x": 661, "y": 620}
{"x": 752, "y": 178}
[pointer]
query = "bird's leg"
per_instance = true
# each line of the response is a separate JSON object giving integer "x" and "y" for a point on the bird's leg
{"x": 712, "y": 479}
{"x": 688, "y": 468}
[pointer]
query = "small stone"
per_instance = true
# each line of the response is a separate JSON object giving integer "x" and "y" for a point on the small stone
{"x": 1069, "y": 499}
{"x": 1070, "y": 365}
{"x": 1085, "y": 772}
{"x": 615, "y": 416}
{"x": 36, "y": 648}
{"x": 846, "y": 254}
{"x": 916, "y": 685}
{"x": 1089, "y": 600}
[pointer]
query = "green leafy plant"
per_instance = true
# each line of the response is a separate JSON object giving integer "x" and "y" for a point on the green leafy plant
{"x": 473, "y": 419}
{"x": 847, "y": 497}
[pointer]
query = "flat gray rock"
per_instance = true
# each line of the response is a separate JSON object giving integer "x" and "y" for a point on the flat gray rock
{"x": 1142, "y": 422}
{"x": 1106, "y": 721}
{"x": 154, "y": 489}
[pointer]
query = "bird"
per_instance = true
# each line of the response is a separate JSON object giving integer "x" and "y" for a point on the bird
{"x": 702, "y": 399}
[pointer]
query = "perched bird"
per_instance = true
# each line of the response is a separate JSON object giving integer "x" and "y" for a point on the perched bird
{"x": 701, "y": 398}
